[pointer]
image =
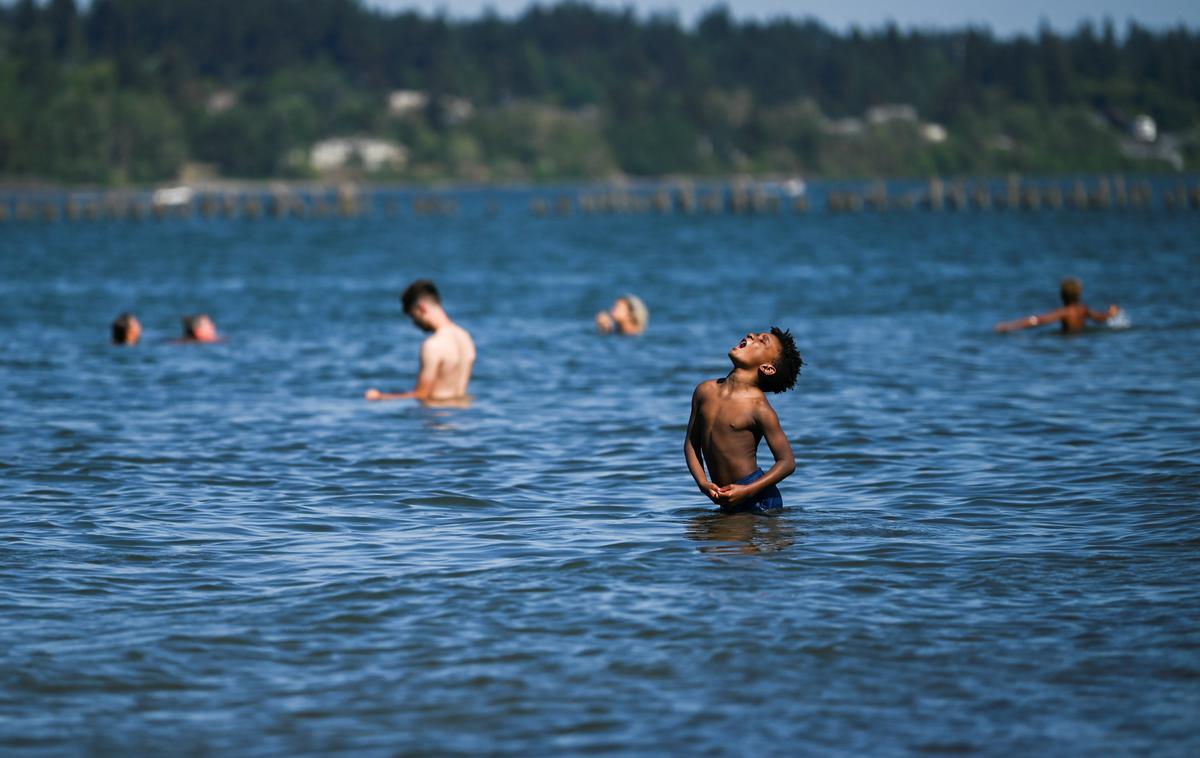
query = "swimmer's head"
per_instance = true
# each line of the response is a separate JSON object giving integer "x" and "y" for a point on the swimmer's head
{"x": 126, "y": 330}
{"x": 631, "y": 309}
{"x": 637, "y": 311}
{"x": 199, "y": 328}
{"x": 420, "y": 301}
{"x": 774, "y": 354}
{"x": 1071, "y": 290}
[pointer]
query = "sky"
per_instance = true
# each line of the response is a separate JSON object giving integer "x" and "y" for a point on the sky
{"x": 1004, "y": 18}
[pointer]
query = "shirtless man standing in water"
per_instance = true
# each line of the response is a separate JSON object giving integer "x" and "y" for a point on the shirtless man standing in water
{"x": 447, "y": 355}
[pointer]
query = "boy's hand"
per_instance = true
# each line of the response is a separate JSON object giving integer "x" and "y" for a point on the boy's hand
{"x": 732, "y": 494}
{"x": 372, "y": 394}
{"x": 711, "y": 490}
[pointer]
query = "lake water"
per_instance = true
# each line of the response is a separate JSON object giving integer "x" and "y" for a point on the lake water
{"x": 990, "y": 543}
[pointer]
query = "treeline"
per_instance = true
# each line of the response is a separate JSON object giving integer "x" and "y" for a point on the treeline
{"x": 130, "y": 90}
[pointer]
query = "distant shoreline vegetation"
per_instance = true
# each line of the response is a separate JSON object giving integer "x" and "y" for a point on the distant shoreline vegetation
{"x": 120, "y": 92}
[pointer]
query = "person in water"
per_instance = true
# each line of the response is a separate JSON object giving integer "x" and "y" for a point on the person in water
{"x": 199, "y": 328}
{"x": 447, "y": 356}
{"x": 731, "y": 416}
{"x": 126, "y": 330}
{"x": 629, "y": 315}
{"x": 1073, "y": 315}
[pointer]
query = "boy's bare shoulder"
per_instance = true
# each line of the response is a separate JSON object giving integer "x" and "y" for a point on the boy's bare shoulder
{"x": 705, "y": 387}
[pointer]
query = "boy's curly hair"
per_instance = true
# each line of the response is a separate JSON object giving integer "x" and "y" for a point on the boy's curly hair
{"x": 787, "y": 365}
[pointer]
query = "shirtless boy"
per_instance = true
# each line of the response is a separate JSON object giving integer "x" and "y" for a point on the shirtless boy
{"x": 447, "y": 355}
{"x": 1073, "y": 315}
{"x": 731, "y": 416}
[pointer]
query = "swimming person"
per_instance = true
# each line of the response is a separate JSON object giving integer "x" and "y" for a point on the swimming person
{"x": 447, "y": 356}
{"x": 199, "y": 328}
{"x": 126, "y": 330}
{"x": 1073, "y": 315}
{"x": 629, "y": 315}
{"x": 731, "y": 416}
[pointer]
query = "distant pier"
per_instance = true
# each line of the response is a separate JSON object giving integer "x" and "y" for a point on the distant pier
{"x": 684, "y": 198}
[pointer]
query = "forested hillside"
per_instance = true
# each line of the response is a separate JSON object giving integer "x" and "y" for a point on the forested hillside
{"x": 119, "y": 91}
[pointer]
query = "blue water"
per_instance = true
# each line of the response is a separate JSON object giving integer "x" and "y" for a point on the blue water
{"x": 990, "y": 546}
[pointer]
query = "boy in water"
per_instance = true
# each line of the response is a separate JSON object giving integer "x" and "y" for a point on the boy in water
{"x": 1073, "y": 315}
{"x": 730, "y": 417}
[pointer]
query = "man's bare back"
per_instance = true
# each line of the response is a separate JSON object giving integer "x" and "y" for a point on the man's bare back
{"x": 447, "y": 355}
{"x": 447, "y": 358}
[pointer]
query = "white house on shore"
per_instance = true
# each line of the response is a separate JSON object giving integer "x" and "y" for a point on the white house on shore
{"x": 371, "y": 154}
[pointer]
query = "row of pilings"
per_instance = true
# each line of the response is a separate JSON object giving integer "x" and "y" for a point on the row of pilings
{"x": 938, "y": 195}
{"x": 741, "y": 198}
{"x": 345, "y": 202}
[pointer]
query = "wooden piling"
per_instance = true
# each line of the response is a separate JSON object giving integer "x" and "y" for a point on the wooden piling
{"x": 956, "y": 198}
{"x": 1078, "y": 198}
{"x": 209, "y": 206}
{"x": 936, "y": 199}
{"x": 1120, "y": 194}
{"x": 252, "y": 207}
{"x": 686, "y": 196}
{"x": 981, "y": 199}
{"x": 876, "y": 197}
{"x": 1012, "y": 191}
{"x": 1031, "y": 200}
{"x": 50, "y": 211}
{"x": 1101, "y": 197}
{"x": 349, "y": 204}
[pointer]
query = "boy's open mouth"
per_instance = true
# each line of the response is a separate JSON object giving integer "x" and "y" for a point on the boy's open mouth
{"x": 740, "y": 345}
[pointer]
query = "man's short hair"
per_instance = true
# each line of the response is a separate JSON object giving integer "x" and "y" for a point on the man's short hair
{"x": 421, "y": 289}
{"x": 787, "y": 365}
{"x": 1071, "y": 290}
{"x": 120, "y": 328}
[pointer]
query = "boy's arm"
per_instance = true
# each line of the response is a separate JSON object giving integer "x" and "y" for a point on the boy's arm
{"x": 1103, "y": 315}
{"x": 694, "y": 455}
{"x": 781, "y": 449}
{"x": 430, "y": 359}
{"x": 1028, "y": 321}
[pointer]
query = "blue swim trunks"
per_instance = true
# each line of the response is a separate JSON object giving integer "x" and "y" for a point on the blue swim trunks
{"x": 767, "y": 501}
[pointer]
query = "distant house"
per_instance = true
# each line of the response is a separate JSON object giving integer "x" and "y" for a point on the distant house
{"x": 1144, "y": 129}
{"x": 220, "y": 101}
{"x": 457, "y": 109}
{"x": 842, "y": 127}
{"x": 371, "y": 154}
{"x": 935, "y": 133}
{"x": 403, "y": 103}
{"x": 887, "y": 113}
